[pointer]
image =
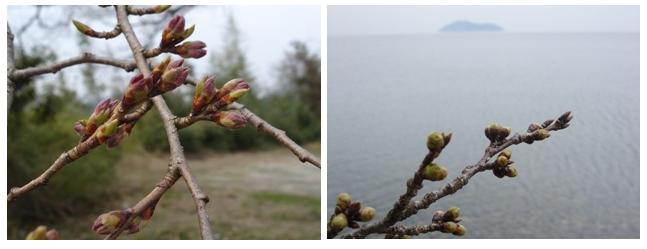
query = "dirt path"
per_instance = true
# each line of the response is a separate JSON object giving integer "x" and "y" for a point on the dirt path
{"x": 254, "y": 195}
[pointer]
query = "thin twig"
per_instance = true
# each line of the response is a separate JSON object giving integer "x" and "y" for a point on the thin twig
{"x": 146, "y": 11}
{"x": 116, "y": 31}
{"x": 414, "y": 230}
{"x": 81, "y": 59}
{"x": 261, "y": 125}
{"x": 177, "y": 153}
{"x": 171, "y": 176}
{"x": 401, "y": 212}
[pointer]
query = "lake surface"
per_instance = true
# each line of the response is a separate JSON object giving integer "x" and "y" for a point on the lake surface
{"x": 386, "y": 93}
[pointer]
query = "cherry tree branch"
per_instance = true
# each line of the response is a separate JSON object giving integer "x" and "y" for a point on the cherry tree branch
{"x": 171, "y": 176}
{"x": 177, "y": 153}
{"x": 11, "y": 86}
{"x": 77, "y": 60}
{"x": 405, "y": 207}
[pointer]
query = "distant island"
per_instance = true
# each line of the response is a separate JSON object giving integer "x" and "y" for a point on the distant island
{"x": 467, "y": 26}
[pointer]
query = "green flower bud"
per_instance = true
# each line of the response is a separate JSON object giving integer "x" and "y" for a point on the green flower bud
{"x": 435, "y": 141}
{"x": 511, "y": 171}
{"x": 452, "y": 214}
{"x": 506, "y": 153}
{"x": 435, "y": 172}
{"x": 542, "y": 134}
{"x": 81, "y": 27}
{"x": 108, "y": 222}
{"x": 460, "y": 230}
{"x": 501, "y": 161}
{"x": 106, "y": 130}
{"x": 491, "y": 132}
{"x": 339, "y": 222}
{"x": 448, "y": 227}
{"x": 37, "y": 234}
{"x": 366, "y": 214}
{"x": 343, "y": 200}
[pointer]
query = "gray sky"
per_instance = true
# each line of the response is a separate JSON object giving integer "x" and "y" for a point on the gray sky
{"x": 362, "y": 20}
{"x": 267, "y": 32}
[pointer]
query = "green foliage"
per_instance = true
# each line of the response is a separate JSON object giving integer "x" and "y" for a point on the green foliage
{"x": 40, "y": 129}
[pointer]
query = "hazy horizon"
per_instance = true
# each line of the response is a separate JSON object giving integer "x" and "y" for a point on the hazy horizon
{"x": 387, "y": 20}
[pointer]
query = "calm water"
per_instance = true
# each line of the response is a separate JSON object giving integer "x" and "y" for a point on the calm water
{"x": 386, "y": 93}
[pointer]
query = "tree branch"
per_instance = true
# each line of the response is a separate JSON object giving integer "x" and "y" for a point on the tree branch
{"x": 177, "y": 153}
{"x": 172, "y": 175}
{"x": 81, "y": 59}
{"x": 400, "y": 211}
{"x": 11, "y": 86}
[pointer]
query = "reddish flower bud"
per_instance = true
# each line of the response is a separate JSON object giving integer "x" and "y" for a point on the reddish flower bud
{"x": 101, "y": 113}
{"x": 205, "y": 91}
{"x": 191, "y": 49}
{"x": 174, "y": 76}
{"x": 108, "y": 222}
{"x": 229, "y": 119}
{"x": 137, "y": 92}
{"x": 174, "y": 32}
{"x": 79, "y": 127}
{"x": 52, "y": 235}
{"x": 232, "y": 91}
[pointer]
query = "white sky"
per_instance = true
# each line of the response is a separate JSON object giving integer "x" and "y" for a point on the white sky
{"x": 267, "y": 32}
{"x": 363, "y": 20}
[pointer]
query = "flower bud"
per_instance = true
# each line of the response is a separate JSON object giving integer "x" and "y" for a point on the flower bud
{"x": 52, "y": 235}
{"x": 504, "y": 132}
{"x": 85, "y": 29}
{"x": 452, "y": 214}
{"x": 499, "y": 171}
{"x": 506, "y": 153}
{"x": 138, "y": 91}
{"x": 366, "y": 214}
{"x": 37, "y": 234}
{"x": 547, "y": 123}
{"x": 565, "y": 118}
{"x": 511, "y": 171}
{"x": 106, "y": 130}
{"x": 174, "y": 76}
{"x": 205, "y": 91}
{"x": 460, "y": 230}
{"x": 229, "y": 119}
{"x": 122, "y": 132}
{"x": 344, "y": 200}
{"x": 448, "y": 227}
{"x": 101, "y": 113}
{"x": 239, "y": 89}
{"x": 157, "y": 72}
{"x": 435, "y": 141}
{"x": 339, "y": 222}
{"x": 438, "y": 216}
{"x": 174, "y": 32}
{"x": 79, "y": 127}
{"x": 542, "y": 134}
{"x": 435, "y": 172}
{"x": 491, "y": 131}
{"x": 501, "y": 161}
{"x": 533, "y": 127}
{"x": 191, "y": 49}
{"x": 108, "y": 222}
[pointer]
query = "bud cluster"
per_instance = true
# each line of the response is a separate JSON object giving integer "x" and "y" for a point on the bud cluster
{"x": 348, "y": 213}
{"x": 109, "y": 222}
{"x": 206, "y": 94}
{"x": 174, "y": 33}
{"x": 101, "y": 114}
{"x": 41, "y": 233}
{"x": 503, "y": 165}
{"x": 165, "y": 77}
{"x": 449, "y": 220}
{"x": 495, "y": 132}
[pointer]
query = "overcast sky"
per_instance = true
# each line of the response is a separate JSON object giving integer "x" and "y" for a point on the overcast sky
{"x": 267, "y": 32}
{"x": 362, "y": 20}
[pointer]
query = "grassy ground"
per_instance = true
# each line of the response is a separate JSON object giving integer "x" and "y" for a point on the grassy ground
{"x": 254, "y": 195}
